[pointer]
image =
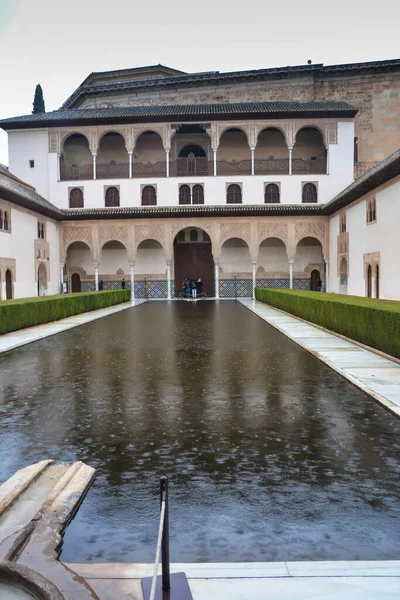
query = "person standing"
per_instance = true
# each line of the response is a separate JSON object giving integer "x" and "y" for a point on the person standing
{"x": 100, "y": 285}
{"x": 319, "y": 285}
{"x": 193, "y": 285}
{"x": 123, "y": 284}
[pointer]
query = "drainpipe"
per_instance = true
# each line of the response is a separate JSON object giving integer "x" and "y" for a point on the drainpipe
{"x": 132, "y": 267}
{"x": 217, "y": 280}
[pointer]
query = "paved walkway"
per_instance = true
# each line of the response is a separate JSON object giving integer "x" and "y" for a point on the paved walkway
{"x": 344, "y": 580}
{"x": 12, "y": 340}
{"x": 372, "y": 373}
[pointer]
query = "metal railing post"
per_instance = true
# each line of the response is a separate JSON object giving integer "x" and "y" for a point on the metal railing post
{"x": 166, "y": 583}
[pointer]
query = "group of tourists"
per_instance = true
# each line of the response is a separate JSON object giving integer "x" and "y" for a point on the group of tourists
{"x": 192, "y": 287}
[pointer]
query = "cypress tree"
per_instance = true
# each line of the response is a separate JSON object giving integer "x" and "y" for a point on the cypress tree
{"x": 38, "y": 101}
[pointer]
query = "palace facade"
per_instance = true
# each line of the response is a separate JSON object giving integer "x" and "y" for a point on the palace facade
{"x": 235, "y": 184}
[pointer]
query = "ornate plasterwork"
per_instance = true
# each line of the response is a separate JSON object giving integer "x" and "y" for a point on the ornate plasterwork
{"x": 371, "y": 259}
{"x": 118, "y": 233}
{"x": 149, "y": 232}
{"x": 273, "y": 230}
{"x": 235, "y": 230}
{"x": 75, "y": 233}
{"x": 314, "y": 229}
{"x": 8, "y": 264}
{"x": 214, "y": 130}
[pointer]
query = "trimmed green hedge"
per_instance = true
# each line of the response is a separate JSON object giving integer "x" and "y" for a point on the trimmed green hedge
{"x": 375, "y": 323}
{"x": 26, "y": 312}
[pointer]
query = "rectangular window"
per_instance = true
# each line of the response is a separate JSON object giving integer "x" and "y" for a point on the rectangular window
{"x": 32, "y": 164}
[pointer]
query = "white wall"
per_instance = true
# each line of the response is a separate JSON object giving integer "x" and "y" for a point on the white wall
{"x": 24, "y": 146}
{"x": 19, "y": 245}
{"x": 382, "y": 236}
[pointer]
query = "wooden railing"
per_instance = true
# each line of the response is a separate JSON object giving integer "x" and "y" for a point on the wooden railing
{"x": 316, "y": 166}
{"x": 198, "y": 167}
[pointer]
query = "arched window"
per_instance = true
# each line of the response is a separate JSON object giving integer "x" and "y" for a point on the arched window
{"x": 194, "y": 236}
{"x": 198, "y": 194}
{"x": 149, "y": 197}
{"x": 76, "y": 198}
{"x": 377, "y": 282}
{"x": 112, "y": 196}
{"x": 6, "y": 221}
{"x": 309, "y": 193}
{"x": 38, "y": 230}
{"x": 1, "y": 219}
{"x": 234, "y": 194}
{"x": 272, "y": 194}
{"x": 184, "y": 194}
{"x": 42, "y": 231}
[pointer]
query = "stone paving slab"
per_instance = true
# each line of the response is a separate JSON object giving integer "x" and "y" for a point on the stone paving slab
{"x": 12, "y": 340}
{"x": 376, "y": 375}
{"x": 336, "y": 580}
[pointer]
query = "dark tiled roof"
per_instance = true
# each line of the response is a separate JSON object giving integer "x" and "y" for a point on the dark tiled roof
{"x": 186, "y": 112}
{"x": 201, "y": 79}
{"x": 154, "y": 212}
{"x": 381, "y": 173}
{"x": 13, "y": 190}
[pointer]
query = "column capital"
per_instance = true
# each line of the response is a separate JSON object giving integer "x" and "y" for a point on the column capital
{"x": 94, "y": 153}
{"x": 132, "y": 264}
{"x": 291, "y": 261}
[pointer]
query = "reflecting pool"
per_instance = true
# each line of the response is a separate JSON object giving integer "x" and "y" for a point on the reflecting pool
{"x": 270, "y": 454}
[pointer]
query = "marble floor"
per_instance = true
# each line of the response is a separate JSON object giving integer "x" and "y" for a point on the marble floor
{"x": 12, "y": 340}
{"x": 372, "y": 373}
{"x": 342, "y": 580}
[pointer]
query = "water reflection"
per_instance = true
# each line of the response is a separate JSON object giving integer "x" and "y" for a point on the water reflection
{"x": 271, "y": 455}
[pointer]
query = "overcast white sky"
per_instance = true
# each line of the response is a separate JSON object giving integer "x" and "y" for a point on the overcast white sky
{"x": 57, "y": 43}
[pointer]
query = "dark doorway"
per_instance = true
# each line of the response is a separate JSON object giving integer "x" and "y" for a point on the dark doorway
{"x": 9, "y": 290}
{"x": 193, "y": 259}
{"x": 314, "y": 280}
{"x": 75, "y": 283}
{"x": 369, "y": 281}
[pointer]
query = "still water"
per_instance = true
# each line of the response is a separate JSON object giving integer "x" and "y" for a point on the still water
{"x": 271, "y": 455}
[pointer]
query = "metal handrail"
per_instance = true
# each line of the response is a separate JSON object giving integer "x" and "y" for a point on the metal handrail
{"x": 162, "y": 542}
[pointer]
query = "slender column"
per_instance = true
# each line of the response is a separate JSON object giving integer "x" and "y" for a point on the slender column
{"x": 326, "y": 276}
{"x": 327, "y": 159}
{"x": 130, "y": 164}
{"x": 291, "y": 274}
{"x": 216, "y": 279}
{"x": 290, "y": 159}
{"x": 58, "y": 167}
{"x": 169, "y": 279}
{"x": 62, "y": 277}
{"x": 252, "y": 160}
{"x": 373, "y": 289}
{"x": 94, "y": 164}
{"x": 96, "y": 277}
{"x": 132, "y": 267}
{"x": 254, "y": 264}
{"x": 167, "y": 163}
{"x": 215, "y": 162}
